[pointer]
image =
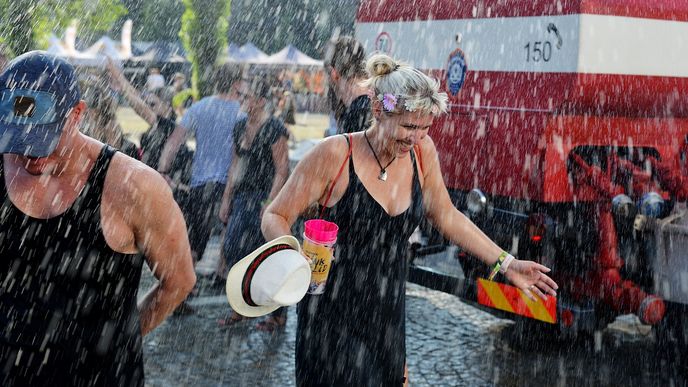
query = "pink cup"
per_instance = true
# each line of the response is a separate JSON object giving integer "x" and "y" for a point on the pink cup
{"x": 318, "y": 245}
{"x": 321, "y": 231}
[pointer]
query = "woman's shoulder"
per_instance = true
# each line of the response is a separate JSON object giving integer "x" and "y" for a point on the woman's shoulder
{"x": 325, "y": 157}
{"x": 426, "y": 154}
{"x": 426, "y": 145}
{"x": 335, "y": 146}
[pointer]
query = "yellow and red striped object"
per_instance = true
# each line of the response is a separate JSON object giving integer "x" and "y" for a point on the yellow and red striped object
{"x": 513, "y": 300}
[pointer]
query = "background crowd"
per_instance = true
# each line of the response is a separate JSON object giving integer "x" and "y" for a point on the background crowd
{"x": 237, "y": 161}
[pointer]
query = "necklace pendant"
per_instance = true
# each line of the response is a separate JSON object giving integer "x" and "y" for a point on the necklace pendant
{"x": 383, "y": 175}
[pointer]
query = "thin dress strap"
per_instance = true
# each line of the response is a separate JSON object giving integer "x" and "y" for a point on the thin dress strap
{"x": 416, "y": 148}
{"x": 341, "y": 169}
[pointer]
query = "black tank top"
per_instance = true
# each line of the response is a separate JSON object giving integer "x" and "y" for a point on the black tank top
{"x": 68, "y": 312}
{"x": 355, "y": 333}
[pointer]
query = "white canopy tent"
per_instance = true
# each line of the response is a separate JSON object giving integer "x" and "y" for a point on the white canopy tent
{"x": 291, "y": 56}
{"x": 248, "y": 53}
{"x": 161, "y": 53}
{"x": 97, "y": 54}
{"x": 78, "y": 58}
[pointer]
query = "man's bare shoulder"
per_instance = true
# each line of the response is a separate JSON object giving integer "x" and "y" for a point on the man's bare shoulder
{"x": 132, "y": 182}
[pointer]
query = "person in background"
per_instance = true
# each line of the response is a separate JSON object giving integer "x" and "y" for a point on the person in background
{"x": 155, "y": 80}
{"x": 331, "y": 126}
{"x": 155, "y": 108}
{"x": 260, "y": 166}
{"x": 344, "y": 62}
{"x": 100, "y": 119}
{"x": 354, "y": 333}
{"x": 211, "y": 120}
{"x": 183, "y": 95}
{"x": 178, "y": 82}
{"x": 286, "y": 109}
{"x": 318, "y": 82}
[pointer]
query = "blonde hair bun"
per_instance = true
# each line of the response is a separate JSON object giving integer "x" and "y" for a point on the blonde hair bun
{"x": 380, "y": 65}
{"x": 417, "y": 91}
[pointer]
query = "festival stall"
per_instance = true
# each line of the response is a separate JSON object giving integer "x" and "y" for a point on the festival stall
{"x": 248, "y": 53}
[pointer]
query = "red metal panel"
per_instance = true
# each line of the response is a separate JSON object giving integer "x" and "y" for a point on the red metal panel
{"x": 494, "y": 161}
{"x": 566, "y": 132}
{"x": 460, "y": 142}
{"x": 572, "y": 92}
{"x": 403, "y": 10}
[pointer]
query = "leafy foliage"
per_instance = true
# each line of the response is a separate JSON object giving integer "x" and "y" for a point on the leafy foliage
{"x": 28, "y": 23}
{"x": 154, "y": 20}
{"x": 204, "y": 35}
{"x": 307, "y": 24}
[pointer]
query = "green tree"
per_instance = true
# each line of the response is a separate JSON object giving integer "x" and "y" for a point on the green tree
{"x": 307, "y": 24}
{"x": 158, "y": 20}
{"x": 29, "y": 23}
{"x": 16, "y": 29}
{"x": 204, "y": 35}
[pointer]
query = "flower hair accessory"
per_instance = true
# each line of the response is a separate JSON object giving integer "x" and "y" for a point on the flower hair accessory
{"x": 430, "y": 102}
{"x": 389, "y": 102}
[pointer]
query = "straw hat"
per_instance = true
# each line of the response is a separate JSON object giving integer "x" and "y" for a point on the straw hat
{"x": 275, "y": 274}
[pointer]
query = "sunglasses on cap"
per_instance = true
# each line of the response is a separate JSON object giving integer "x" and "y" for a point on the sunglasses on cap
{"x": 27, "y": 107}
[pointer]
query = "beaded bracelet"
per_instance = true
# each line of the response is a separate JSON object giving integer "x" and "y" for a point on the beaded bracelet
{"x": 498, "y": 265}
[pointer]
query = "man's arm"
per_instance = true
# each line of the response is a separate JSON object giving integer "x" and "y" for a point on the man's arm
{"x": 169, "y": 151}
{"x": 280, "y": 156}
{"x": 160, "y": 233}
{"x": 131, "y": 94}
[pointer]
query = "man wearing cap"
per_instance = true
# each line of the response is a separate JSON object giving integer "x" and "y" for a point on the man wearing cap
{"x": 77, "y": 219}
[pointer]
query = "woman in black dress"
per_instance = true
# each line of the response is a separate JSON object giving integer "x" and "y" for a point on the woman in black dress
{"x": 260, "y": 166}
{"x": 354, "y": 333}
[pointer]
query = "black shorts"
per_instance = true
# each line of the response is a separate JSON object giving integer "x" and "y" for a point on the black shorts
{"x": 201, "y": 209}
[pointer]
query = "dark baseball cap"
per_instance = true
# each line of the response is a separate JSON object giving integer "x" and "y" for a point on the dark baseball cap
{"x": 37, "y": 91}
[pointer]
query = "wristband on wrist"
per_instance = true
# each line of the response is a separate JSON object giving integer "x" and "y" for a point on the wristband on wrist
{"x": 505, "y": 265}
{"x": 495, "y": 269}
{"x": 265, "y": 202}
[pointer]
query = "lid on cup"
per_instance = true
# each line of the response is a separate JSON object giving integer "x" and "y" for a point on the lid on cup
{"x": 321, "y": 231}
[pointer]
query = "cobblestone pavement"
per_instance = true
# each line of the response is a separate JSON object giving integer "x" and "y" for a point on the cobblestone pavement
{"x": 193, "y": 350}
{"x": 449, "y": 343}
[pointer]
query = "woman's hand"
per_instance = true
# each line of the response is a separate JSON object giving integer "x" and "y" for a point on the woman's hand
{"x": 530, "y": 277}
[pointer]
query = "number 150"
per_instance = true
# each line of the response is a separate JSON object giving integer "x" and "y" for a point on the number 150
{"x": 537, "y": 51}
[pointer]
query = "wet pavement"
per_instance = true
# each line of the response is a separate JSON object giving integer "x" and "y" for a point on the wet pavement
{"x": 449, "y": 343}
